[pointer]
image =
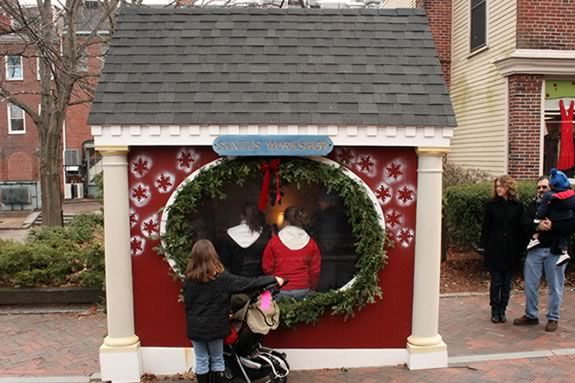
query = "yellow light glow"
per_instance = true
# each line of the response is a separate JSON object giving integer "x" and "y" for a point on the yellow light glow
{"x": 280, "y": 219}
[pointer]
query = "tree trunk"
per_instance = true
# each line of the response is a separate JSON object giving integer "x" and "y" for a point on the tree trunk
{"x": 50, "y": 177}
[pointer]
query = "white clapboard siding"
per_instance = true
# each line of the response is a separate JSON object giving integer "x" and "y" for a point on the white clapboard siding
{"x": 478, "y": 91}
{"x": 399, "y": 4}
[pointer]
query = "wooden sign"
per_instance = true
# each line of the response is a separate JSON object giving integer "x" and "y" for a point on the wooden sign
{"x": 241, "y": 146}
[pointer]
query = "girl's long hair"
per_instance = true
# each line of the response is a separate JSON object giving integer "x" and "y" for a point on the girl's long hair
{"x": 251, "y": 214}
{"x": 507, "y": 182}
{"x": 204, "y": 264}
{"x": 296, "y": 217}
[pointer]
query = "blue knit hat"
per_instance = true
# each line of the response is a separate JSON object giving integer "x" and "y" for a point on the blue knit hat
{"x": 559, "y": 180}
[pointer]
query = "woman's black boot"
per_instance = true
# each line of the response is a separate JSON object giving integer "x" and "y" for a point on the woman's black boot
{"x": 502, "y": 316}
{"x": 203, "y": 378}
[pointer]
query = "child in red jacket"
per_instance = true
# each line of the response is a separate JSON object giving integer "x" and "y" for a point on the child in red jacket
{"x": 293, "y": 255}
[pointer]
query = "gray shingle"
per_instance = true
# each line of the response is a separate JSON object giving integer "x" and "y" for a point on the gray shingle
{"x": 272, "y": 66}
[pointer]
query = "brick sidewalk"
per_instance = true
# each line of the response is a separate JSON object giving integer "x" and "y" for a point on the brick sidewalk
{"x": 50, "y": 344}
{"x": 67, "y": 344}
{"x": 464, "y": 324}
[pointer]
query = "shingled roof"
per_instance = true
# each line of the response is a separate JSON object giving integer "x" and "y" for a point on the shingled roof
{"x": 272, "y": 66}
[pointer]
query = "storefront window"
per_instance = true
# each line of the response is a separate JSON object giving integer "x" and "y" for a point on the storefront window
{"x": 559, "y": 106}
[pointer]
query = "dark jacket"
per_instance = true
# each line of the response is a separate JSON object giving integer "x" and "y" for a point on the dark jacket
{"x": 502, "y": 236}
{"x": 247, "y": 261}
{"x": 208, "y": 304}
{"x": 547, "y": 239}
{"x": 557, "y": 206}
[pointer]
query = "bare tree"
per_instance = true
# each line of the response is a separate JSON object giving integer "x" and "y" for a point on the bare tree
{"x": 48, "y": 31}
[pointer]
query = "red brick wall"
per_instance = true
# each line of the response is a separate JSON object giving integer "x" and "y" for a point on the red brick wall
{"x": 439, "y": 16}
{"x": 14, "y": 146}
{"x": 546, "y": 24}
{"x": 26, "y": 145}
{"x": 524, "y": 125}
{"x": 77, "y": 128}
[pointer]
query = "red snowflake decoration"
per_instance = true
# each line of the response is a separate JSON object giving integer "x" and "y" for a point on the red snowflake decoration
{"x": 405, "y": 194}
{"x": 140, "y": 193}
{"x": 140, "y": 167}
{"x": 164, "y": 183}
{"x": 394, "y": 171}
{"x": 405, "y": 236}
{"x": 344, "y": 156}
{"x": 150, "y": 227}
{"x": 365, "y": 163}
{"x": 136, "y": 246}
{"x": 133, "y": 219}
{"x": 383, "y": 193}
{"x": 392, "y": 218}
{"x": 185, "y": 160}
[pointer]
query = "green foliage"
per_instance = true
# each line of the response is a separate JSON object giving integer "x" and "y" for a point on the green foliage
{"x": 464, "y": 208}
{"x": 369, "y": 238}
{"x": 457, "y": 175}
{"x": 99, "y": 181}
{"x": 56, "y": 256}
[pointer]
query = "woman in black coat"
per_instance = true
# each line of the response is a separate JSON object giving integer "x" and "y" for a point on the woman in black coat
{"x": 502, "y": 242}
{"x": 242, "y": 248}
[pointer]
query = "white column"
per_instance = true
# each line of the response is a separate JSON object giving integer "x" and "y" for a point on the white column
{"x": 120, "y": 359}
{"x": 425, "y": 347}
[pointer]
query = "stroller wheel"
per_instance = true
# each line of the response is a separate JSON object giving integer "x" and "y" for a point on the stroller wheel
{"x": 274, "y": 379}
{"x": 228, "y": 374}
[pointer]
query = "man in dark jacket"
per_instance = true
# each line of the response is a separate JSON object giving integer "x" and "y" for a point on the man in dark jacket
{"x": 541, "y": 262}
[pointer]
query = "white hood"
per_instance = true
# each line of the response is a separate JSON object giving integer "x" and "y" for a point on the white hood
{"x": 243, "y": 236}
{"x": 293, "y": 237}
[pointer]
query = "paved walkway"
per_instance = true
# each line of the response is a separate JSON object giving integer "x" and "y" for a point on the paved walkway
{"x": 66, "y": 344}
{"x": 12, "y": 222}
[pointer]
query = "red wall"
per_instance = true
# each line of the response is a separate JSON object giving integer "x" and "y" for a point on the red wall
{"x": 548, "y": 24}
{"x": 159, "y": 318}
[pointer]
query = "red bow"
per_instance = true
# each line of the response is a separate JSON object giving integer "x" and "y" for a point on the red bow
{"x": 267, "y": 169}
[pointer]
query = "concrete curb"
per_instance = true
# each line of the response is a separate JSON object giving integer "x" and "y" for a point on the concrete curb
{"x": 29, "y": 221}
{"x": 50, "y": 295}
{"x": 47, "y": 379}
{"x": 95, "y": 377}
{"x": 466, "y": 359}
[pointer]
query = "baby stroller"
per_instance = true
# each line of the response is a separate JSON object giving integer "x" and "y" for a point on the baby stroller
{"x": 245, "y": 357}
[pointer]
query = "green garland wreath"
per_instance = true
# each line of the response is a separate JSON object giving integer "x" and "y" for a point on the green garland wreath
{"x": 370, "y": 242}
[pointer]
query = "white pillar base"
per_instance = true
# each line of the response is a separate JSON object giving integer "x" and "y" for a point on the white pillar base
{"x": 120, "y": 364}
{"x": 425, "y": 357}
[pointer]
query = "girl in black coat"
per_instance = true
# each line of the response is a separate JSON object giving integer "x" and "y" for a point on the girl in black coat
{"x": 207, "y": 291}
{"x": 502, "y": 242}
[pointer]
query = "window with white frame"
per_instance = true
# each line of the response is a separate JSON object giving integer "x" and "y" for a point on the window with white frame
{"x": 82, "y": 65}
{"x": 16, "y": 123}
{"x": 38, "y": 69}
{"x": 14, "y": 70}
{"x": 478, "y": 24}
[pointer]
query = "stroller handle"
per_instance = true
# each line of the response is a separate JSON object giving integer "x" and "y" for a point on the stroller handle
{"x": 274, "y": 288}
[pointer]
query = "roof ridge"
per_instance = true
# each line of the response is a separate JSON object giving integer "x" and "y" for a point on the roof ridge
{"x": 275, "y": 11}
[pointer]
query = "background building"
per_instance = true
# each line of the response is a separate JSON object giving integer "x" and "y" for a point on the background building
{"x": 19, "y": 141}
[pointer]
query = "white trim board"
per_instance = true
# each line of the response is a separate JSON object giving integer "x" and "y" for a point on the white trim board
{"x": 173, "y": 360}
{"x": 349, "y": 135}
{"x": 537, "y": 61}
